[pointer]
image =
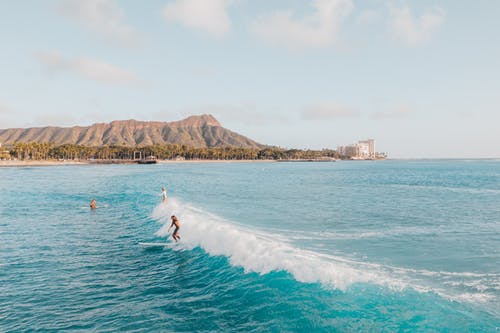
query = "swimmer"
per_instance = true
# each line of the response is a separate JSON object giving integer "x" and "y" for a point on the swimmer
{"x": 93, "y": 204}
{"x": 175, "y": 223}
{"x": 163, "y": 195}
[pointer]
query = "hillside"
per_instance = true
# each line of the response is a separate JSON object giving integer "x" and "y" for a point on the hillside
{"x": 194, "y": 131}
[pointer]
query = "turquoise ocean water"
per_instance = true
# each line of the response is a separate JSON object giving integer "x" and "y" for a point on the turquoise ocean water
{"x": 387, "y": 246}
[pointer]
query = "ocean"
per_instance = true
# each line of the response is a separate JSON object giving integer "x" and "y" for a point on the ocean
{"x": 350, "y": 246}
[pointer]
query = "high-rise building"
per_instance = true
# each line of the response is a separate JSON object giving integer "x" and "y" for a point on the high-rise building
{"x": 364, "y": 149}
{"x": 367, "y": 148}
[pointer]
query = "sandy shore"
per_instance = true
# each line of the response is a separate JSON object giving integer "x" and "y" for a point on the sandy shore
{"x": 213, "y": 161}
{"x": 19, "y": 163}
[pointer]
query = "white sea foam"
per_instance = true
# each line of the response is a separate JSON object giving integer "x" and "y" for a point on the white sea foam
{"x": 257, "y": 251}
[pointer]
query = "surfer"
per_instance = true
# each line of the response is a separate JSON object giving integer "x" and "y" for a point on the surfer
{"x": 175, "y": 223}
{"x": 93, "y": 204}
{"x": 163, "y": 194}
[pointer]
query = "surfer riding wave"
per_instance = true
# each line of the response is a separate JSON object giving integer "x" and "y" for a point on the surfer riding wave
{"x": 258, "y": 251}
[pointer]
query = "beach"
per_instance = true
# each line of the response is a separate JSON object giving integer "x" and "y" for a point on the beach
{"x": 27, "y": 163}
{"x": 33, "y": 163}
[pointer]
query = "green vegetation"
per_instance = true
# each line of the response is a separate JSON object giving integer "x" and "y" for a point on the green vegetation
{"x": 47, "y": 151}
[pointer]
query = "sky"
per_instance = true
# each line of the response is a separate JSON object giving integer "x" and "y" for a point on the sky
{"x": 420, "y": 77}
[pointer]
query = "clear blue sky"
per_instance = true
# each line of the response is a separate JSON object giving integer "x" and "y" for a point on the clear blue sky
{"x": 420, "y": 77}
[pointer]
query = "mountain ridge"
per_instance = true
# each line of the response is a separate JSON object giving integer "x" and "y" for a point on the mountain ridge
{"x": 196, "y": 131}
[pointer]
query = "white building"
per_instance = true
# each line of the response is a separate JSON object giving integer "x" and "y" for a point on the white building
{"x": 367, "y": 148}
{"x": 362, "y": 150}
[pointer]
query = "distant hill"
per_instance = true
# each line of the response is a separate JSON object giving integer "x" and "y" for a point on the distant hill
{"x": 194, "y": 131}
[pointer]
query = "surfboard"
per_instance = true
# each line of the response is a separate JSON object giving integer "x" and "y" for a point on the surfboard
{"x": 153, "y": 244}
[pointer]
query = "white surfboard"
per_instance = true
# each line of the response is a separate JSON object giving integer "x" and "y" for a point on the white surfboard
{"x": 153, "y": 244}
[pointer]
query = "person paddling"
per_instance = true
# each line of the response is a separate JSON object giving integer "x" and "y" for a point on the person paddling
{"x": 93, "y": 204}
{"x": 175, "y": 223}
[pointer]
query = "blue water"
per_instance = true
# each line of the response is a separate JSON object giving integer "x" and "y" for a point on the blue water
{"x": 386, "y": 246}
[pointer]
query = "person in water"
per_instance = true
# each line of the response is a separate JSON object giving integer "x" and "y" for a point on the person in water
{"x": 175, "y": 223}
{"x": 163, "y": 194}
{"x": 93, "y": 204}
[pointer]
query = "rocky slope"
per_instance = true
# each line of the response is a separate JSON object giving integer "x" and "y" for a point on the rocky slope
{"x": 195, "y": 131}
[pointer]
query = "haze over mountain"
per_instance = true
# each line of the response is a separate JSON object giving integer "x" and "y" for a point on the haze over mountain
{"x": 194, "y": 131}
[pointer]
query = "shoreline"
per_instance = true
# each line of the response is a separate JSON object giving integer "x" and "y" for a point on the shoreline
{"x": 20, "y": 163}
{"x": 210, "y": 161}
{"x": 41, "y": 163}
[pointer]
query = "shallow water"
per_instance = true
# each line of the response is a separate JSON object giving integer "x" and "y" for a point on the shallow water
{"x": 346, "y": 246}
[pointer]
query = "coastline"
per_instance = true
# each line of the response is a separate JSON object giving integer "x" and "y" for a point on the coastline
{"x": 39, "y": 163}
{"x": 24, "y": 163}
{"x": 19, "y": 163}
{"x": 211, "y": 161}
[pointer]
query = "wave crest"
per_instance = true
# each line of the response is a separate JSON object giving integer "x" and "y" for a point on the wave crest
{"x": 260, "y": 252}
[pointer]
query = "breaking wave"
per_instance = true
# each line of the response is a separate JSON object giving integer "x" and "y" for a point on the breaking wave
{"x": 260, "y": 252}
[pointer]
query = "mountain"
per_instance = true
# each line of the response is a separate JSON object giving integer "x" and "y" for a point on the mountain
{"x": 194, "y": 131}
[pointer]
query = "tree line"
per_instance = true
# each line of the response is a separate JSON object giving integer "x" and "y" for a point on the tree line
{"x": 47, "y": 151}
